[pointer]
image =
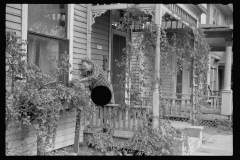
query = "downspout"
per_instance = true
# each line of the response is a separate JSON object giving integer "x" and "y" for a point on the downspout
{"x": 158, "y": 20}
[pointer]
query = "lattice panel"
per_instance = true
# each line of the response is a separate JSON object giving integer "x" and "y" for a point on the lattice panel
{"x": 207, "y": 123}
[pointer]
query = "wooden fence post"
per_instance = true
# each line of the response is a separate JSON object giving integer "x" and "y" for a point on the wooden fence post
{"x": 77, "y": 132}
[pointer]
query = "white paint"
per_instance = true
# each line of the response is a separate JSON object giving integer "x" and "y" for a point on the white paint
{"x": 70, "y": 35}
{"x": 24, "y": 26}
{"x": 110, "y": 47}
{"x": 188, "y": 9}
{"x": 99, "y": 47}
{"x": 24, "y": 21}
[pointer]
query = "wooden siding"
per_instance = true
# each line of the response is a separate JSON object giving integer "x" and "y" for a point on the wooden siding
{"x": 25, "y": 142}
{"x": 79, "y": 36}
{"x": 100, "y": 36}
{"x": 14, "y": 18}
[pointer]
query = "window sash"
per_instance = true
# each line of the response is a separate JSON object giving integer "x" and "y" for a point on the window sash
{"x": 50, "y": 12}
{"x": 63, "y": 79}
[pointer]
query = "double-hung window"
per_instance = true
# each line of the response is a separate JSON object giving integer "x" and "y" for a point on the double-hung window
{"x": 47, "y": 37}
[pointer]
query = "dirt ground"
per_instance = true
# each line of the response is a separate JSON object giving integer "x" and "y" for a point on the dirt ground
{"x": 85, "y": 151}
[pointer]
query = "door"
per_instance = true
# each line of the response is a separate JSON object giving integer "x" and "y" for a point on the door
{"x": 119, "y": 42}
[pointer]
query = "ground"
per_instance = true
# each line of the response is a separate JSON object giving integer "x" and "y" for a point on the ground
{"x": 208, "y": 132}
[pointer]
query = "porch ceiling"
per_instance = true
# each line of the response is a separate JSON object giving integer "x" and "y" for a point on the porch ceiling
{"x": 216, "y": 35}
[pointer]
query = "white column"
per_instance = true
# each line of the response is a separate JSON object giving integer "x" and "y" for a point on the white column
{"x": 158, "y": 20}
{"x": 70, "y": 35}
{"x": 226, "y": 108}
{"x": 89, "y": 30}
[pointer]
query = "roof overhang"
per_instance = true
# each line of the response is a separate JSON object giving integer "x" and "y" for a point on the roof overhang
{"x": 227, "y": 10}
{"x": 216, "y": 35}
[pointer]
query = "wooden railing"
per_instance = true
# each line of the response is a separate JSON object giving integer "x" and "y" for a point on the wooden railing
{"x": 118, "y": 118}
{"x": 174, "y": 106}
{"x": 180, "y": 107}
{"x": 214, "y": 102}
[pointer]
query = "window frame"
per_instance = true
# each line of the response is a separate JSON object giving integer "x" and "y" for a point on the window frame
{"x": 67, "y": 38}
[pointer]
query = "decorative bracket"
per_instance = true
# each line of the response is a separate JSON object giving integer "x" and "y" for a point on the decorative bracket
{"x": 150, "y": 11}
{"x": 96, "y": 14}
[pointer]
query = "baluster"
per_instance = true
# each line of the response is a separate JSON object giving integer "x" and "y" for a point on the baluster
{"x": 109, "y": 116}
{"x": 114, "y": 116}
{"x": 134, "y": 119}
{"x": 211, "y": 103}
{"x": 124, "y": 118}
{"x": 119, "y": 117}
{"x": 170, "y": 106}
{"x": 184, "y": 106}
{"x": 218, "y": 103}
{"x": 97, "y": 115}
{"x": 144, "y": 114}
{"x": 101, "y": 116}
{"x": 129, "y": 118}
{"x": 180, "y": 107}
{"x": 91, "y": 119}
{"x": 215, "y": 103}
{"x": 174, "y": 106}
{"x": 139, "y": 118}
{"x": 104, "y": 116}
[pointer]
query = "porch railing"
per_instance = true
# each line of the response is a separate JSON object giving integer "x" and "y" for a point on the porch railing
{"x": 119, "y": 118}
{"x": 180, "y": 107}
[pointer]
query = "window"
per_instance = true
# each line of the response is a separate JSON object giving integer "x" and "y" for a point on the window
{"x": 47, "y": 36}
{"x": 203, "y": 19}
{"x": 215, "y": 17}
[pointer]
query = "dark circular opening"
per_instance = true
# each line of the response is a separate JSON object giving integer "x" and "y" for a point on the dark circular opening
{"x": 101, "y": 95}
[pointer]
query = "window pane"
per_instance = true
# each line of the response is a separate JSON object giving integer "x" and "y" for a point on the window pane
{"x": 47, "y": 19}
{"x": 41, "y": 50}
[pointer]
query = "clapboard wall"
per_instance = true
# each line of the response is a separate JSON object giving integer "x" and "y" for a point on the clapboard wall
{"x": 14, "y": 18}
{"x": 100, "y": 36}
{"x": 23, "y": 141}
{"x": 79, "y": 36}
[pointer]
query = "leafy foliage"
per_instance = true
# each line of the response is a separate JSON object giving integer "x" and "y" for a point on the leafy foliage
{"x": 185, "y": 49}
{"x": 32, "y": 101}
{"x": 164, "y": 140}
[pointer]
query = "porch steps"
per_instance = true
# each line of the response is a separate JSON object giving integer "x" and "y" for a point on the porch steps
{"x": 194, "y": 134}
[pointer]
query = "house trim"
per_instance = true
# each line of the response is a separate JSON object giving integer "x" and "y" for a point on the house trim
{"x": 24, "y": 21}
{"x": 70, "y": 35}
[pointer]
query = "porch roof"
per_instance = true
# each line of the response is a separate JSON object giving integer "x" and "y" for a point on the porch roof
{"x": 216, "y": 35}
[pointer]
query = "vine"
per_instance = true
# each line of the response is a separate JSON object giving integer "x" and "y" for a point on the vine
{"x": 181, "y": 48}
{"x": 31, "y": 101}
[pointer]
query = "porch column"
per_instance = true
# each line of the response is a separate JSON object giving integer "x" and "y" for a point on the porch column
{"x": 226, "y": 108}
{"x": 89, "y": 30}
{"x": 158, "y": 21}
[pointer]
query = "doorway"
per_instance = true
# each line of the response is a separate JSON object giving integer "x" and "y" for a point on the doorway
{"x": 118, "y": 43}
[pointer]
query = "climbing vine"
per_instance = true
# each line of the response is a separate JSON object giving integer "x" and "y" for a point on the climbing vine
{"x": 32, "y": 102}
{"x": 186, "y": 49}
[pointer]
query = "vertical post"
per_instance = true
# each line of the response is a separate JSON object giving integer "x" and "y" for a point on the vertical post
{"x": 89, "y": 30}
{"x": 192, "y": 91}
{"x": 110, "y": 46}
{"x": 77, "y": 132}
{"x": 226, "y": 108}
{"x": 70, "y": 34}
{"x": 158, "y": 21}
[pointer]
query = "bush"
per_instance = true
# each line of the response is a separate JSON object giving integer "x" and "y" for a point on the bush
{"x": 30, "y": 101}
{"x": 165, "y": 140}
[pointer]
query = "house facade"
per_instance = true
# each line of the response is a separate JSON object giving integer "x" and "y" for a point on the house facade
{"x": 218, "y": 27}
{"x": 87, "y": 30}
